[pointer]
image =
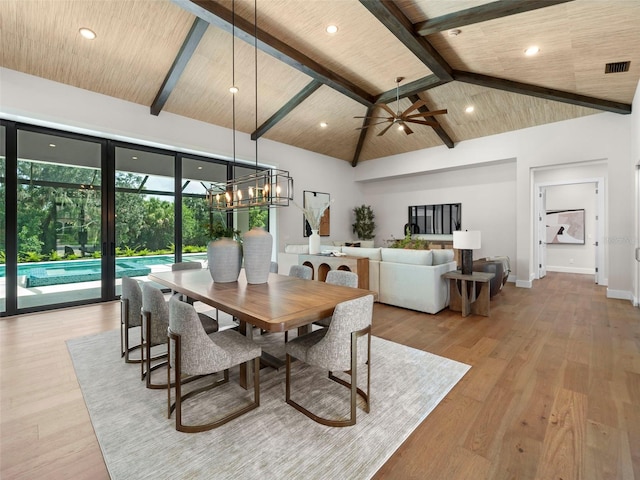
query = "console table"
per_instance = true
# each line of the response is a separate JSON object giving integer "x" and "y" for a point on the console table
{"x": 322, "y": 264}
{"x": 462, "y": 292}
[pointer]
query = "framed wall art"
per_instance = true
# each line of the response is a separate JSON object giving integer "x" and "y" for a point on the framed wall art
{"x": 318, "y": 201}
{"x": 565, "y": 227}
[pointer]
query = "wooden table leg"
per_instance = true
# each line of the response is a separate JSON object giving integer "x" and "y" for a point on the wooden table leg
{"x": 246, "y": 369}
{"x": 466, "y": 303}
{"x": 481, "y": 305}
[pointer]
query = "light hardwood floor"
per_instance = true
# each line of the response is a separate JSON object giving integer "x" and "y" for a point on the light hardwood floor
{"x": 553, "y": 392}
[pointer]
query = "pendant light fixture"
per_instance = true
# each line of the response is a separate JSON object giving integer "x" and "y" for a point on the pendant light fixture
{"x": 265, "y": 187}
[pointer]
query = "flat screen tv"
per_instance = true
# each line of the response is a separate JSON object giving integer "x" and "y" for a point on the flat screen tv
{"x": 442, "y": 219}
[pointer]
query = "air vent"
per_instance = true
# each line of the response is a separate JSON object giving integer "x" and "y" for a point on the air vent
{"x": 617, "y": 67}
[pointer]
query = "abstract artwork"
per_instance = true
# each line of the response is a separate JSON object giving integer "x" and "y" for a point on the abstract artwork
{"x": 565, "y": 226}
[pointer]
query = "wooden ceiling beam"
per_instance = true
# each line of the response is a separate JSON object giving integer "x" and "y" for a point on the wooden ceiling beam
{"x": 481, "y": 13}
{"x": 390, "y": 15}
{"x": 444, "y": 136}
{"x": 286, "y": 109}
{"x": 541, "y": 92}
{"x": 182, "y": 58}
{"x": 412, "y": 88}
{"x": 363, "y": 134}
{"x": 220, "y": 17}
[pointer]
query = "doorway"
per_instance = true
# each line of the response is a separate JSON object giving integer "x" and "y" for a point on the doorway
{"x": 597, "y": 217}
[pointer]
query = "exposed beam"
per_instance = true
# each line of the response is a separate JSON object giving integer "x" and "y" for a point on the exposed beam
{"x": 444, "y": 136}
{"x": 412, "y": 88}
{"x": 290, "y": 105}
{"x": 220, "y": 17}
{"x": 481, "y": 13}
{"x": 363, "y": 135}
{"x": 392, "y": 17}
{"x": 541, "y": 92}
{"x": 182, "y": 58}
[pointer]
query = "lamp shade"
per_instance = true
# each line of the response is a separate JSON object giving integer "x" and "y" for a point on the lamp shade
{"x": 467, "y": 240}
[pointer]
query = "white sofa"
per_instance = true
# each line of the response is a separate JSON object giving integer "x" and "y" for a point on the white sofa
{"x": 413, "y": 278}
{"x": 403, "y": 278}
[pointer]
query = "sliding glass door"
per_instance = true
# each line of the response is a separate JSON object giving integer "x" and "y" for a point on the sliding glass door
{"x": 58, "y": 227}
{"x": 144, "y": 212}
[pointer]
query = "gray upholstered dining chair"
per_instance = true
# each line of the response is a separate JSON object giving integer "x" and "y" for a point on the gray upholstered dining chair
{"x": 339, "y": 277}
{"x": 192, "y": 266}
{"x": 130, "y": 307}
{"x": 340, "y": 347}
{"x": 274, "y": 267}
{"x": 193, "y": 353}
{"x": 300, "y": 271}
{"x": 155, "y": 321}
{"x": 186, "y": 266}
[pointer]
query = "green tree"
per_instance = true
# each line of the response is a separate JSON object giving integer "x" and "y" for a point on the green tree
{"x": 156, "y": 232}
{"x": 258, "y": 217}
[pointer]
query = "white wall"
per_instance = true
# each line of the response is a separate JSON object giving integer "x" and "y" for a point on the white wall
{"x": 487, "y": 194}
{"x": 37, "y": 101}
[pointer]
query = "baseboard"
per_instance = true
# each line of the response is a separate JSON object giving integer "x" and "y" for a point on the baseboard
{"x": 620, "y": 295}
{"x": 524, "y": 283}
{"x": 582, "y": 271}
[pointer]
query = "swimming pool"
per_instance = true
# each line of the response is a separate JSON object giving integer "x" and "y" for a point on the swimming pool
{"x": 74, "y": 271}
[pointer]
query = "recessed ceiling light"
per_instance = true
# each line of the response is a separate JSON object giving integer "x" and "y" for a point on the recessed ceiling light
{"x": 199, "y": 168}
{"x": 454, "y": 32}
{"x": 469, "y": 109}
{"x": 52, "y": 145}
{"x": 332, "y": 29}
{"x": 233, "y": 89}
{"x": 531, "y": 51}
{"x": 134, "y": 158}
{"x": 87, "y": 33}
{"x": 324, "y": 124}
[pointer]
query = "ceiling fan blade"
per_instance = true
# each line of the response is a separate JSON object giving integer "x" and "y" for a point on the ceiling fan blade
{"x": 423, "y": 122}
{"x": 425, "y": 114}
{"x": 406, "y": 129}
{"x": 372, "y": 124}
{"x": 369, "y": 117}
{"x": 386, "y": 107}
{"x": 418, "y": 104}
{"x": 385, "y": 129}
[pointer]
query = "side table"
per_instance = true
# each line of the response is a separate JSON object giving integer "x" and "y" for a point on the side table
{"x": 462, "y": 292}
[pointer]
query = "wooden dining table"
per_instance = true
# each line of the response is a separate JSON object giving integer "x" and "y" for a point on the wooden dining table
{"x": 282, "y": 303}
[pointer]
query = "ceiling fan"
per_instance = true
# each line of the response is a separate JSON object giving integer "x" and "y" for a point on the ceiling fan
{"x": 402, "y": 118}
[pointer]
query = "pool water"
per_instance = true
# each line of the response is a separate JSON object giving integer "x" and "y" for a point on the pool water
{"x": 74, "y": 271}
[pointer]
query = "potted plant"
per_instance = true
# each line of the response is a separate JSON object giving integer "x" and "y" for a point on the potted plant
{"x": 364, "y": 224}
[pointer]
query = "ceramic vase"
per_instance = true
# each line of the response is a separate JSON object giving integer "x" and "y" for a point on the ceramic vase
{"x": 314, "y": 243}
{"x": 224, "y": 258}
{"x": 257, "y": 247}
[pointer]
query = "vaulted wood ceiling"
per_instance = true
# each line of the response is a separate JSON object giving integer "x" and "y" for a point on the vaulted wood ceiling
{"x": 180, "y": 56}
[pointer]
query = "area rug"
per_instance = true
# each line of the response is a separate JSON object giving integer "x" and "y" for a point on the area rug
{"x": 272, "y": 441}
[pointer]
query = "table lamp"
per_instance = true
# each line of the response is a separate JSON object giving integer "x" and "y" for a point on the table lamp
{"x": 467, "y": 241}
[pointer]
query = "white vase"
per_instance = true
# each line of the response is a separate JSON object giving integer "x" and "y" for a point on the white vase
{"x": 314, "y": 242}
{"x": 256, "y": 249}
{"x": 224, "y": 257}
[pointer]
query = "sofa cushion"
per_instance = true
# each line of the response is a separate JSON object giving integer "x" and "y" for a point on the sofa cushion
{"x": 402, "y": 255}
{"x": 442, "y": 256}
{"x": 370, "y": 253}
